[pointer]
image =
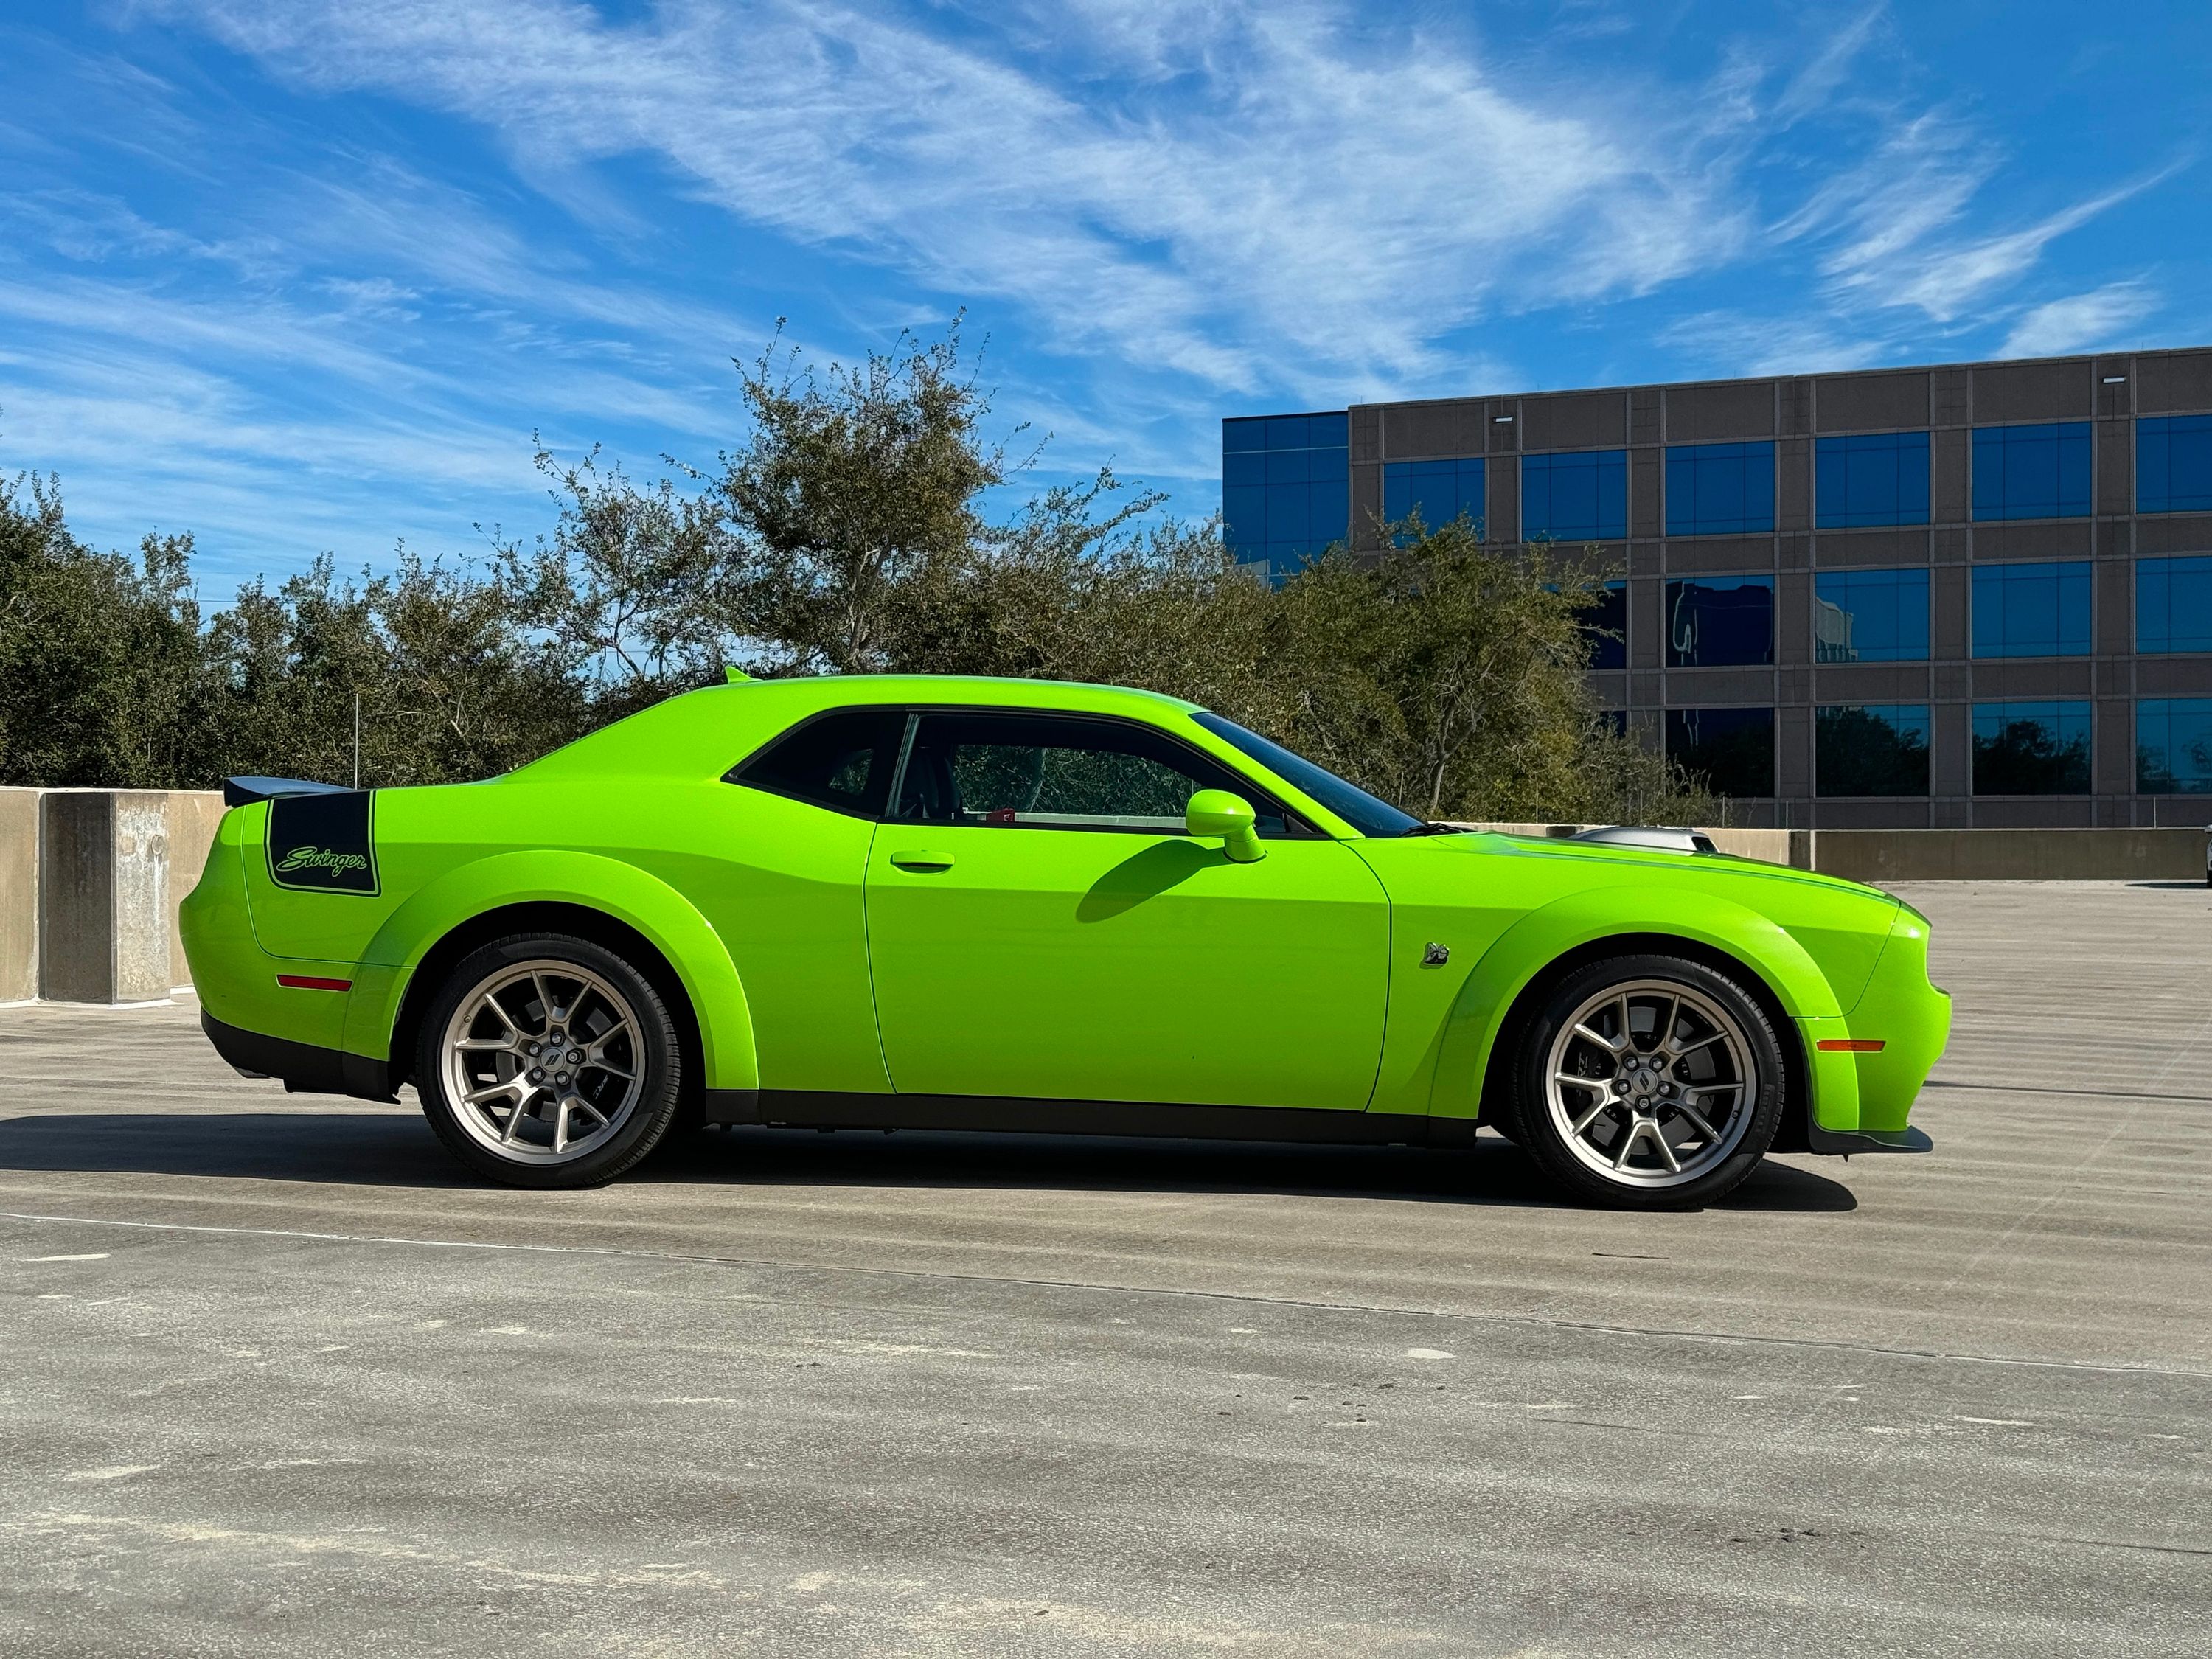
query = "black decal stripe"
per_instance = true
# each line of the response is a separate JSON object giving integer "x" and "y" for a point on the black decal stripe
{"x": 324, "y": 843}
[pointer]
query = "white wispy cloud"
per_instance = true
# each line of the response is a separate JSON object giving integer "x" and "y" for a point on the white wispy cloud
{"x": 2081, "y": 322}
{"x": 1247, "y": 184}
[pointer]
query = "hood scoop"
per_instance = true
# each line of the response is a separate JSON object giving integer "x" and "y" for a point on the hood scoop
{"x": 1659, "y": 837}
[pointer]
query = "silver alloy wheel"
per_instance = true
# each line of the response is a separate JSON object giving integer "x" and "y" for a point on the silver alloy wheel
{"x": 1651, "y": 1083}
{"x": 543, "y": 1062}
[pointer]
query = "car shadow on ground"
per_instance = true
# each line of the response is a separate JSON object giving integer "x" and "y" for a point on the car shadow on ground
{"x": 396, "y": 1149}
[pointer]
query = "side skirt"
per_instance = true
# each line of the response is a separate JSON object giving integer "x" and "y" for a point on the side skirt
{"x": 1002, "y": 1114}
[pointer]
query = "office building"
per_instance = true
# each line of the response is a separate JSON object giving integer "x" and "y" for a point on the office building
{"x": 1971, "y": 594}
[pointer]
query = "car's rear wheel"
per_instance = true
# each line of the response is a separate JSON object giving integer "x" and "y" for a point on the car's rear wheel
{"x": 1649, "y": 1082}
{"x": 548, "y": 1060}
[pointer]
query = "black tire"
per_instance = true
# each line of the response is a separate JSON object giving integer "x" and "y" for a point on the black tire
{"x": 1677, "y": 1097}
{"x": 647, "y": 1043}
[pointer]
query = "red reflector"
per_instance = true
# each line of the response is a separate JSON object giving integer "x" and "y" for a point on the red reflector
{"x": 1850, "y": 1045}
{"x": 309, "y": 982}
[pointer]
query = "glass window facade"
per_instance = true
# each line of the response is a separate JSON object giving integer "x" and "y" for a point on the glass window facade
{"x": 1731, "y": 750}
{"x": 1871, "y": 749}
{"x": 2032, "y": 748}
{"x": 1440, "y": 491}
{"x": 2031, "y": 472}
{"x": 2173, "y": 745}
{"x": 1720, "y": 490}
{"x": 2173, "y": 464}
{"x": 1870, "y": 478}
{"x": 1575, "y": 497}
{"x": 1870, "y": 615}
{"x": 1286, "y": 487}
{"x": 1605, "y": 625}
{"x": 1720, "y": 622}
{"x": 2032, "y": 610}
{"x": 2173, "y": 603}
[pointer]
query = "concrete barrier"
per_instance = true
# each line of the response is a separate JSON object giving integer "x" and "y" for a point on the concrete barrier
{"x": 90, "y": 880}
{"x": 1878, "y": 855}
{"x": 19, "y": 895}
{"x": 2012, "y": 854}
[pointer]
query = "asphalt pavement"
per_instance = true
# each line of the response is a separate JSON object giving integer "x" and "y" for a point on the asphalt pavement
{"x": 278, "y": 1378}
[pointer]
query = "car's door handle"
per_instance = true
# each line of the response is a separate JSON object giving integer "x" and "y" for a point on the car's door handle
{"x": 922, "y": 859}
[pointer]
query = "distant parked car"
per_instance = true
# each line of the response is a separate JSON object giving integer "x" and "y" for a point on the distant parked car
{"x": 1011, "y": 905}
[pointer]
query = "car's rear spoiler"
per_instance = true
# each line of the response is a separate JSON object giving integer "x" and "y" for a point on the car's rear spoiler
{"x": 238, "y": 792}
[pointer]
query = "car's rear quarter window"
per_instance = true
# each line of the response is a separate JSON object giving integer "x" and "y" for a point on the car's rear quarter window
{"x": 843, "y": 761}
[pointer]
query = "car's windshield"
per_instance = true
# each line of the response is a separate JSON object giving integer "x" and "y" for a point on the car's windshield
{"x": 1362, "y": 810}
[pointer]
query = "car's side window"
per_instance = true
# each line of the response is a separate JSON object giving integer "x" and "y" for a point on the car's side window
{"x": 843, "y": 761}
{"x": 1061, "y": 772}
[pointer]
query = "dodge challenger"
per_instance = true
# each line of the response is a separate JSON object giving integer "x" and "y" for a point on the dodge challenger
{"x": 923, "y": 901}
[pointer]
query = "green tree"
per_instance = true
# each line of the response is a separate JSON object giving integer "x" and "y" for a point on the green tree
{"x": 100, "y": 672}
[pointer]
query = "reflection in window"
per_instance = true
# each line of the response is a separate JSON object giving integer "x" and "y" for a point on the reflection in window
{"x": 1605, "y": 627}
{"x": 2173, "y": 603}
{"x": 2032, "y": 610}
{"x": 1872, "y": 750}
{"x": 1720, "y": 622}
{"x": 1720, "y": 490}
{"x": 1440, "y": 491}
{"x": 1870, "y": 478}
{"x": 1286, "y": 487}
{"x": 2173, "y": 745}
{"x": 1730, "y": 750}
{"x": 1870, "y": 615}
{"x": 2173, "y": 464}
{"x": 2031, "y": 472}
{"x": 1575, "y": 497}
{"x": 1054, "y": 772}
{"x": 2030, "y": 748}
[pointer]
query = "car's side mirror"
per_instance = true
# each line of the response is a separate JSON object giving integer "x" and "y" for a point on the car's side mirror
{"x": 1217, "y": 814}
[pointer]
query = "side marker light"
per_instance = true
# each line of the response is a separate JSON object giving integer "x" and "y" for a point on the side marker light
{"x": 309, "y": 982}
{"x": 1850, "y": 1045}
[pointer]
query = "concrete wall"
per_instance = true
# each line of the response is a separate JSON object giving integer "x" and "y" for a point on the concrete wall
{"x": 193, "y": 815}
{"x": 2012, "y": 854}
{"x": 2179, "y": 855}
{"x": 19, "y": 895}
{"x": 90, "y": 880}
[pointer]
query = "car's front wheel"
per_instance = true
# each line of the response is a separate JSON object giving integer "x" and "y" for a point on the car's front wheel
{"x": 1648, "y": 1082}
{"x": 548, "y": 1060}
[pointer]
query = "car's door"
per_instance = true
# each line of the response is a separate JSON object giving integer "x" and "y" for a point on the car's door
{"x": 1039, "y": 927}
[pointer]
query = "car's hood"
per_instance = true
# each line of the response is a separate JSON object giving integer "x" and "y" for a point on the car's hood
{"x": 1491, "y": 843}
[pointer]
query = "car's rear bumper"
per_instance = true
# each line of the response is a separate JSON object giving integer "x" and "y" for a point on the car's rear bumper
{"x": 301, "y": 1067}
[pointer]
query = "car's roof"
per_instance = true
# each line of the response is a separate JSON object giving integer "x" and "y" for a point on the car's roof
{"x": 710, "y": 728}
{"x": 843, "y": 690}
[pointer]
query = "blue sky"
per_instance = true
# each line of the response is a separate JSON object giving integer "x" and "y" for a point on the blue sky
{"x": 298, "y": 275}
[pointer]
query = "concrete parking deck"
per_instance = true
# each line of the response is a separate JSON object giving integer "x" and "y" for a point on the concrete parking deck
{"x": 281, "y": 1380}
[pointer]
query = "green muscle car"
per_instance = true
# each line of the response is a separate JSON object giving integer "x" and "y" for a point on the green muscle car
{"x": 1015, "y": 905}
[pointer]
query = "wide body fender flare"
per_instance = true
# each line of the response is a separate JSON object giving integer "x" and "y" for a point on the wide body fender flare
{"x": 1633, "y": 915}
{"x": 667, "y": 919}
